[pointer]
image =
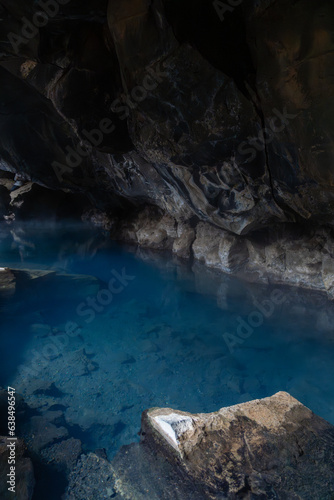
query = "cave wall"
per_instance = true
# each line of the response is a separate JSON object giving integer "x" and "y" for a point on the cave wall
{"x": 223, "y": 114}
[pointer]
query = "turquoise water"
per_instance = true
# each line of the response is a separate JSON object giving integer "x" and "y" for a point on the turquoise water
{"x": 158, "y": 338}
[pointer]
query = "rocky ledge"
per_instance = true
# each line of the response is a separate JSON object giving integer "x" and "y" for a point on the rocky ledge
{"x": 273, "y": 448}
{"x": 282, "y": 254}
{"x": 267, "y": 449}
{"x": 215, "y": 114}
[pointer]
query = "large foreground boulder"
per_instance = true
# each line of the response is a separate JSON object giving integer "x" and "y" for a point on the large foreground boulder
{"x": 273, "y": 448}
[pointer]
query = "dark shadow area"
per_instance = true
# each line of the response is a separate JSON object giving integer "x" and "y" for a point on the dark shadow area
{"x": 222, "y": 42}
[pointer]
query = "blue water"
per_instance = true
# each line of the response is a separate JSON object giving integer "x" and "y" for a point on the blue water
{"x": 159, "y": 341}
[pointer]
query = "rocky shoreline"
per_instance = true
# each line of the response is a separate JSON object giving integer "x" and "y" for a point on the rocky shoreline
{"x": 297, "y": 255}
{"x": 272, "y": 448}
{"x": 284, "y": 255}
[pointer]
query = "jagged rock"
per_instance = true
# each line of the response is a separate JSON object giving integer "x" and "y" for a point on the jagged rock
{"x": 34, "y": 201}
{"x": 7, "y": 283}
{"x": 273, "y": 448}
{"x": 149, "y": 228}
{"x": 327, "y": 273}
{"x": 135, "y": 474}
{"x": 269, "y": 448}
{"x": 6, "y": 183}
{"x": 139, "y": 473}
{"x": 223, "y": 119}
{"x": 182, "y": 245}
{"x": 101, "y": 482}
{"x": 218, "y": 248}
{"x": 43, "y": 431}
{"x": 189, "y": 94}
{"x": 63, "y": 455}
{"x": 292, "y": 79}
{"x": 206, "y": 244}
{"x": 99, "y": 219}
{"x": 278, "y": 254}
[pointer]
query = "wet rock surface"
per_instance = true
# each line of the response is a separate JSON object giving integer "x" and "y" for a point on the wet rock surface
{"x": 281, "y": 254}
{"x": 91, "y": 479}
{"x": 45, "y": 454}
{"x": 7, "y": 283}
{"x": 63, "y": 455}
{"x": 17, "y": 281}
{"x": 269, "y": 448}
{"x": 134, "y": 467}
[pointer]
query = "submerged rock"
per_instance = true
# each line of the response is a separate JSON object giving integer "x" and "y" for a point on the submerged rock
{"x": 43, "y": 431}
{"x": 25, "y": 481}
{"x": 58, "y": 285}
{"x": 7, "y": 283}
{"x": 63, "y": 456}
{"x": 92, "y": 479}
{"x": 273, "y": 448}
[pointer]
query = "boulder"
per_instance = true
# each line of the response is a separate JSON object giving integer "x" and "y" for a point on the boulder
{"x": 64, "y": 455}
{"x": 7, "y": 283}
{"x": 91, "y": 479}
{"x": 273, "y": 448}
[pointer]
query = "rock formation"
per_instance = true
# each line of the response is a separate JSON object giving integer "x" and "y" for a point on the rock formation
{"x": 269, "y": 448}
{"x": 274, "y": 448}
{"x": 287, "y": 254}
{"x": 213, "y": 114}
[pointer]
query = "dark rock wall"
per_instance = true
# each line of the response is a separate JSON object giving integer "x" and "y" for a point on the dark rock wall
{"x": 223, "y": 113}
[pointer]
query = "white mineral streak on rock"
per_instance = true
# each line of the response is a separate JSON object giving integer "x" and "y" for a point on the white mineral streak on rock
{"x": 172, "y": 426}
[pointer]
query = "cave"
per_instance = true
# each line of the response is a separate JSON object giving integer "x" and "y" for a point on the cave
{"x": 166, "y": 249}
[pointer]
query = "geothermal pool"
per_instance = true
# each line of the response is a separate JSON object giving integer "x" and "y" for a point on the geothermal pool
{"x": 97, "y": 332}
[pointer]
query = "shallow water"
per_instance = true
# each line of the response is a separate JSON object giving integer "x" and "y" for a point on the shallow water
{"x": 158, "y": 339}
